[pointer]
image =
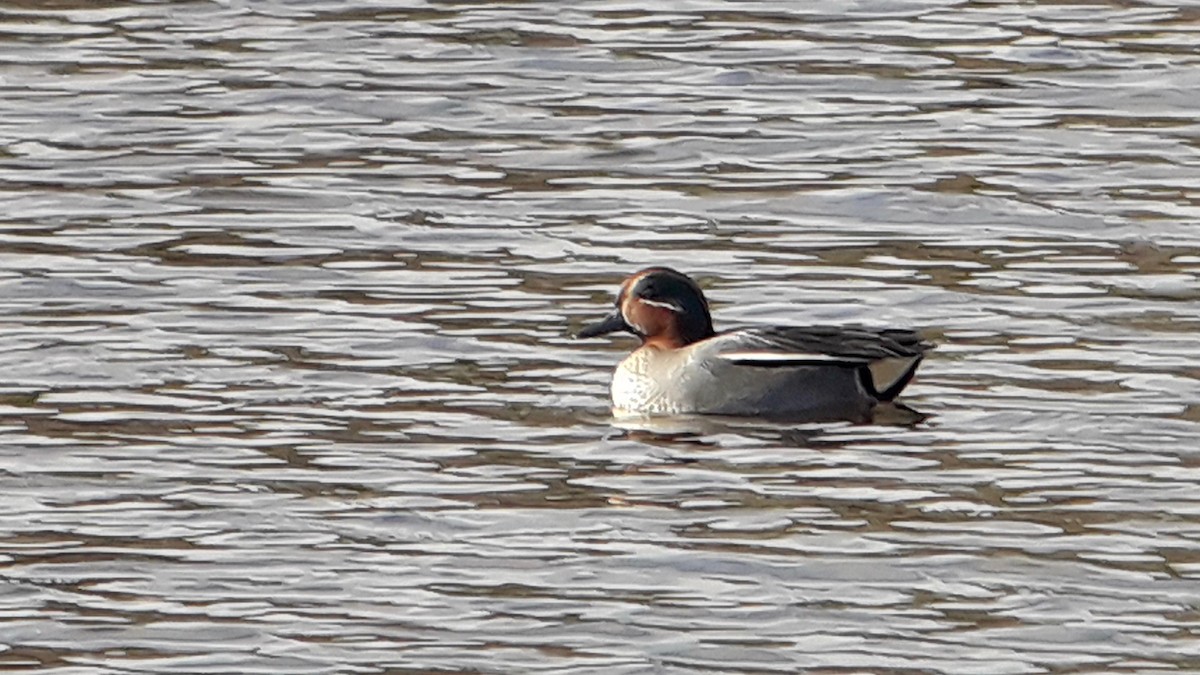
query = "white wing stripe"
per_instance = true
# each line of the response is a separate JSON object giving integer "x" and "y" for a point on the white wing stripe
{"x": 781, "y": 357}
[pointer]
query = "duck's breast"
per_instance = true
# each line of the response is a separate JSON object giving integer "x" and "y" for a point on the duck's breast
{"x": 647, "y": 383}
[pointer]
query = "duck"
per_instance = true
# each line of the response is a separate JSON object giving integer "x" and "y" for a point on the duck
{"x": 684, "y": 367}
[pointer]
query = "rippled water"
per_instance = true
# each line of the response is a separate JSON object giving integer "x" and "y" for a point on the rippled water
{"x": 286, "y": 388}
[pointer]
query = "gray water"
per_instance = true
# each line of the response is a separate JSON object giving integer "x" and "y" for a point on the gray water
{"x": 285, "y": 291}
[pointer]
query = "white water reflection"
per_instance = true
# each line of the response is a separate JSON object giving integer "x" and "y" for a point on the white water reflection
{"x": 285, "y": 292}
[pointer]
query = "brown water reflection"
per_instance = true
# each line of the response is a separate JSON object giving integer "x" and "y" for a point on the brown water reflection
{"x": 285, "y": 292}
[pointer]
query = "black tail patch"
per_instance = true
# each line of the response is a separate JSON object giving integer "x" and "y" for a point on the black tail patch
{"x": 868, "y": 381}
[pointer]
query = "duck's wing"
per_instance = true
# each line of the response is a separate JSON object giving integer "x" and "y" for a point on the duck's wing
{"x": 886, "y": 359}
{"x": 821, "y": 345}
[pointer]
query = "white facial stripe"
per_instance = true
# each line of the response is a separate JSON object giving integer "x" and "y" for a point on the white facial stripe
{"x": 662, "y": 305}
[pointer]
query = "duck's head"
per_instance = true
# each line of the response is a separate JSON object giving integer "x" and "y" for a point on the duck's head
{"x": 659, "y": 305}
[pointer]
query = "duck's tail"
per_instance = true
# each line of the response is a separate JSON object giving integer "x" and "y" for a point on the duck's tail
{"x": 884, "y": 379}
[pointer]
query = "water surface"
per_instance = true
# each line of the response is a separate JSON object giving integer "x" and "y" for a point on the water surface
{"x": 285, "y": 291}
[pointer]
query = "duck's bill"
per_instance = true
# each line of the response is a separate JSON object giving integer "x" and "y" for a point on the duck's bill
{"x": 610, "y": 324}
